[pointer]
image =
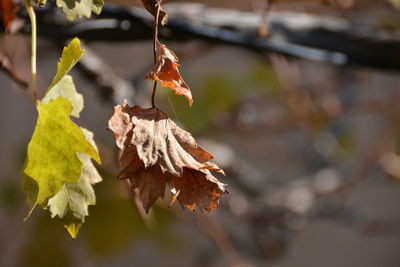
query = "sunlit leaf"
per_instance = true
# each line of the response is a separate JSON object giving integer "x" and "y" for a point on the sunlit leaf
{"x": 157, "y": 153}
{"x": 71, "y": 203}
{"x": 70, "y": 56}
{"x": 52, "y": 157}
{"x": 58, "y": 172}
{"x": 66, "y": 88}
{"x": 166, "y": 71}
{"x": 74, "y": 9}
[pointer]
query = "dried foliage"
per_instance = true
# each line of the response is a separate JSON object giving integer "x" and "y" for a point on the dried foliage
{"x": 8, "y": 9}
{"x": 166, "y": 71}
{"x": 151, "y": 6}
{"x": 157, "y": 153}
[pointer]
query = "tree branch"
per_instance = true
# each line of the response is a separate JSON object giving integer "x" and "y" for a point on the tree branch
{"x": 312, "y": 37}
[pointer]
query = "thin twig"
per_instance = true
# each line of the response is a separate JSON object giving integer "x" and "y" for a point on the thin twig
{"x": 155, "y": 42}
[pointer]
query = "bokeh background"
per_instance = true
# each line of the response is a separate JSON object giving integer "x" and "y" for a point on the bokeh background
{"x": 311, "y": 152}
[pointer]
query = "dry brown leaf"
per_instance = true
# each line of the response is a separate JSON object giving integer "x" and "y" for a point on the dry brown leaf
{"x": 157, "y": 153}
{"x": 166, "y": 71}
{"x": 151, "y": 6}
{"x": 8, "y": 9}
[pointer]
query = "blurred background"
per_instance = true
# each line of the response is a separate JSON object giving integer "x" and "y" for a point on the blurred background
{"x": 311, "y": 149}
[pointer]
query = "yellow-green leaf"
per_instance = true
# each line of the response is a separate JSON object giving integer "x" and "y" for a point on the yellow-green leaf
{"x": 66, "y": 88}
{"x": 71, "y": 203}
{"x": 88, "y": 169}
{"x": 74, "y": 9}
{"x": 52, "y": 157}
{"x": 70, "y": 56}
{"x": 73, "y": 228}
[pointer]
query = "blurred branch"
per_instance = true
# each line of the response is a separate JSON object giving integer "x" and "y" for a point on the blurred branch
{"x": 374, "y": 153}
{"x": 8, "y": 69}
{"x": 112, "y": 87}
{"x": 215, "y": 231}
{"x": 301, "y": 35}
{"x": 360, "y": 221}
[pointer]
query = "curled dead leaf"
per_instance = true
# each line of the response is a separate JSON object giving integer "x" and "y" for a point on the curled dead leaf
{"x": 151, "y": 6}
{"x": 8, "y": 8}
{"x": 166, "y": 71}
{"x": 157, "y": 153}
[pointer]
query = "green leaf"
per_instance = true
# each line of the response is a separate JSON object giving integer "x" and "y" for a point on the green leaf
{"x": 89, "y": 170}
{"x": 52, "y": 157}
{"x": 66, "y": 88}
{"x": 58, "y": 171}
{"x": 74, "y": 9}
{"x": 71, "y": 203}
{"x": 70, "y": 56}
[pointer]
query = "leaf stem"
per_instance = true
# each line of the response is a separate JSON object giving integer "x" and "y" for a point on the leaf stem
{"x": 32, "y": 17}
{"x": 155, "y": 42}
